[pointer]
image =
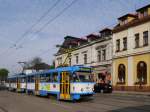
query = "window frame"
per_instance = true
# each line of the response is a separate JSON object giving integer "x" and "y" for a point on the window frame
{"x": 141, "y": 73}
{"x": 123, "y": 74}
{"x": 145, "y": 38}
{"x": 99, "y": 57}
{"x": 125, "y": 43}
{"x": 85, "y": 58}
{"x": 117, "y": 45}
{"x": 137, "y": 40}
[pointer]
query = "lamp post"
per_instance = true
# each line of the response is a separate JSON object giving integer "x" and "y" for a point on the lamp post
{"x": 22, "y": 63}
{"x": 67, "y": 50}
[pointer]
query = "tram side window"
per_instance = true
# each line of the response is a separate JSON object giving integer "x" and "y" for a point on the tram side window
{"x": 55, "y": 77}
{"x": 28, "y": 79}
{"x": 14, "y": 80}
{"x": 42, "y": 78}
{"x": 48, "y": 77}
{"x": 31, "y": 79}
{"x": 23, "y": 80}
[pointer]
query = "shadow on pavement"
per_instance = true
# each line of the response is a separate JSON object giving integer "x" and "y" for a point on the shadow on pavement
{"x": 2, "y": 87}
{"x": 144, "y": 108}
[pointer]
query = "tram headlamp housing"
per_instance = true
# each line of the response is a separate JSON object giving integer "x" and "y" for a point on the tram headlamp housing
{"x": 82, "y": 89}
{"x": 92, "y": 89}
{"x": 73, "y": 88}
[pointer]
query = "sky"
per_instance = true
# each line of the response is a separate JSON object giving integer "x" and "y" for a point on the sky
{"x": 83, "y": 17}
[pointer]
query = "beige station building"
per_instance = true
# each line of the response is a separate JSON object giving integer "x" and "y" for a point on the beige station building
{"x": 131, "y": 51}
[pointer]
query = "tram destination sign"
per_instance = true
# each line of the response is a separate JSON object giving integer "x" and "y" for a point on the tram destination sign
{"x": 85, "y": 69}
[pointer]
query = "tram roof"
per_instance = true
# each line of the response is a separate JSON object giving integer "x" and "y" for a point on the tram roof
{"x": 70, "y": 68}
{"x": 17, "y": 75}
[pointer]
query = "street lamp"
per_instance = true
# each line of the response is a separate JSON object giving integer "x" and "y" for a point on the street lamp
{"x": 67, "y": 50}
{"x": 22, "y": 63}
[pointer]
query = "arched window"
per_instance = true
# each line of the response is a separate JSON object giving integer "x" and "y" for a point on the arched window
{"x": 121, "y": 73}
{"x": 142, "y": 72}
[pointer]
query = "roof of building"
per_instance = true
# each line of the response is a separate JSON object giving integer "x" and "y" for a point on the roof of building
{"x": 127, "y": 15}
{"x": 143, "y": 8}
{"x": 132, "y": 23}
{"x": 105, "y": 29}
{"x": 93, "y": 36}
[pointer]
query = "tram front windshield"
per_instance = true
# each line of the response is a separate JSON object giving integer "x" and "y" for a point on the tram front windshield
{"x": 82, "y": 77}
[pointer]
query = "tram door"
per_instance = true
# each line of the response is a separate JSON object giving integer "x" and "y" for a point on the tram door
{"x": 64, "y": 85}
{"x": 37, "y": 85}
{"x": 18, "y": 84}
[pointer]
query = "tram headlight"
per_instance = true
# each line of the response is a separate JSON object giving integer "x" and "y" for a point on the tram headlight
{"x": 92, "y": 89}
{"x": 73, "y": 88}
{"x": 82, "y": 89}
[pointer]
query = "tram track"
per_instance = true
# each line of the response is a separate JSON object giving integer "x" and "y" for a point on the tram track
{"x": 117, "y": 105}
{"x": 101, "y": 105}
{"x": 2, "y": 109}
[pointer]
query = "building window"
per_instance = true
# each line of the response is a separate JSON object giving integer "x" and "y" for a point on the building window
{"x": 137, "y": 40}
{"x": 85, "y": 58}
{"x": 77, "y": 59}
{"x": 125, "y": 43}
{"x": 145, "y": 38}
{"x": 101, "y": 77}
{"x": 99, "y": 56}
{"x": 103, "y": 54}
{"x": 69, "y": 61}
{"x": 121, "y": 74}
{"x": 143, "y": 13}
{"x": 118, "y": 45}
{"x": 141, "y": 73}
{"x": 59, "y": 61}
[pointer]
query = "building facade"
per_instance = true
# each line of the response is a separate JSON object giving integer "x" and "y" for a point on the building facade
{"x": 131, "y": 51}
{"x": 94, "y": 50}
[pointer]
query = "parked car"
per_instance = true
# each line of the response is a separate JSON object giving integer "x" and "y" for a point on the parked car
{"x": 103, "y": 88}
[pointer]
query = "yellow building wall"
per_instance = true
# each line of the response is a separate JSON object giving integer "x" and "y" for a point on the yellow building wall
{"x": 116, "y": 64}
{"x": 148, "y": 11}
{"x": 130, "y": 19}
{"x": 136, "y": 60}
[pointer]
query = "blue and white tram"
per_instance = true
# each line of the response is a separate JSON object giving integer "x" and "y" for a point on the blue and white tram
{"x": 67, "y": 83}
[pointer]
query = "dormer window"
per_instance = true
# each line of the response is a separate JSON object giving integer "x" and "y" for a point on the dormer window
{"x": 92, "y": 37}
{"x": 144, "y": 11}
{"x": 126, "y": 18}
{"x": 70, "y": 46}
{"x": 89, "y": 40}
{"x": 79, "y": 43}
{"x": 105, "y": 32}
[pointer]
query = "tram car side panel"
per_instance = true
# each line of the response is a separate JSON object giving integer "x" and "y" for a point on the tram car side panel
{"x": 49, "y": 88}
{"x": 30, "y": 86}
{"x": 7, "y": 85}
{"x": 13, "y": 86}
{"x": 23, "y": 86}
{"x": 82, "y": 88}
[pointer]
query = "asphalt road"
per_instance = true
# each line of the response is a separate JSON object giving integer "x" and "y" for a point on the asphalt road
{"x": 17, "y": 102}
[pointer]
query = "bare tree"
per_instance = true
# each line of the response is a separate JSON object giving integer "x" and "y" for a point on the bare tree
{"x": 35, "y": 61}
